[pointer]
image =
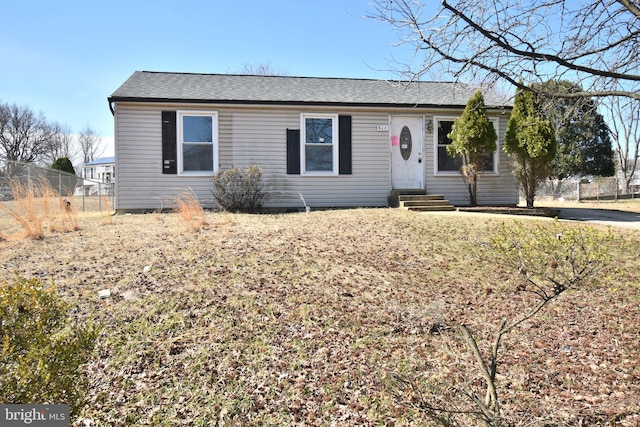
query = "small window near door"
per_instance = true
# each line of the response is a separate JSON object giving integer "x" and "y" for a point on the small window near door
{"x": 448, "y": 164}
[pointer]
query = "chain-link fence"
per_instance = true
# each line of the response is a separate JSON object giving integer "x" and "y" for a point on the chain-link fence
{"x": 583, "y": 189}
{"x": 87, "y": 194}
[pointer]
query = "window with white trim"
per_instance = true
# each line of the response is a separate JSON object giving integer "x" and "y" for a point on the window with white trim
{"x": 444, "y": 163}
{"x": 319, "y": 144}
{"x": 197, "y": 142}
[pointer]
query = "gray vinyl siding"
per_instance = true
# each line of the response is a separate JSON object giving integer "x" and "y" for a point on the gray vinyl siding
{"x": 257, "y": 136}
{"x": 247, "y": 137}
{"x": 140, "y": 183}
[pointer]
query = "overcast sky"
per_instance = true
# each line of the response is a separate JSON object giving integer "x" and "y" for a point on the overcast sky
{"x": 65, "y": 58}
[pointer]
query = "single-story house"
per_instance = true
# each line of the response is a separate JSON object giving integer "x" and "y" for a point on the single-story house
{"x": 339, "y": 142}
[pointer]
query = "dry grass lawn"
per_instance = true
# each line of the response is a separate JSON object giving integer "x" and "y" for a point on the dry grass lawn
{"x": 302, "y": 319}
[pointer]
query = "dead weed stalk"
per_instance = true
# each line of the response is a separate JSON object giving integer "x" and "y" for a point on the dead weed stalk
{"x": 190, "y": 211}
{"x": 105, "y": 211}
{"x": 36, "y": 206}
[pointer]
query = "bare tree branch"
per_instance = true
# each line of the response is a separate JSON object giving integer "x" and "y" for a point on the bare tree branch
{"x": 596, "y": 44}
{"x": 632, "y": 7}
{"x": 539, "y": 56}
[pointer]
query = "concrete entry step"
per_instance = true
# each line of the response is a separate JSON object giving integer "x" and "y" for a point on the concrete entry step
{"x": 419, "y": 201}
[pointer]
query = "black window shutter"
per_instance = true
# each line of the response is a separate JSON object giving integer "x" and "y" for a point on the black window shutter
{"x": 169, "y": 143}
{"x": 344, "y": 147}
{"x": 293, "y": 151}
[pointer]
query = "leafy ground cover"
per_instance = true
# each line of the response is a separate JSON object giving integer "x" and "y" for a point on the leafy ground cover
{"x": 304, "y": 319}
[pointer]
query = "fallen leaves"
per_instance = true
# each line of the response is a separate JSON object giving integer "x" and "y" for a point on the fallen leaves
{"x": 301, "y": 318}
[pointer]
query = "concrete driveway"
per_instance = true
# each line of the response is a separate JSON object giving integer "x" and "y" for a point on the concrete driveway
{"x": 602, "y": 216}
{"x": 614, "y": 218}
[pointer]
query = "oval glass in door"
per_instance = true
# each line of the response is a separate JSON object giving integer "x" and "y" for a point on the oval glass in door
{"x": 405, "y": 143}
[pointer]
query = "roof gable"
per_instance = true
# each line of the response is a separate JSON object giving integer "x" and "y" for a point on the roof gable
{"x": 228, "y": 88}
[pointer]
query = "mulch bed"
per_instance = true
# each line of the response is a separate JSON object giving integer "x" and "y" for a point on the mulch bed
{"x": 510, "y": 210}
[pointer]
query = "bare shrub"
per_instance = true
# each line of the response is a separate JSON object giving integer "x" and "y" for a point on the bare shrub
{"x": 546, "y": 261}
{"x": 239, "y": 190}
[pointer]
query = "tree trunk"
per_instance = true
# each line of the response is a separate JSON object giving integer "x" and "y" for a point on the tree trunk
{"x": 530, "y": 199}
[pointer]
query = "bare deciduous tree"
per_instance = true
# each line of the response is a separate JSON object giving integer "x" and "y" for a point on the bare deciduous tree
{"x": 624, "y": 124}
{"x": 595, "y": 43}
{"x": 89, "y": 143}
{"x": 61, "y": 144}
{"x": 24, "y": 135}
{"x": 264, "y": 69}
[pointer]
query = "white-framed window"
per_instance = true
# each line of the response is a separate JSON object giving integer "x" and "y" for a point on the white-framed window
{"x": 319, "y": 144}
{"x": 446, "y": 164}
{"x": 197, "y": 142}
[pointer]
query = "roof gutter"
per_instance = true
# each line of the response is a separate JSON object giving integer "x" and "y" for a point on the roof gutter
{"x": 113, "y": 100}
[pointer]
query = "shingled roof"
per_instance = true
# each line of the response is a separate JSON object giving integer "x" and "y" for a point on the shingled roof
{"x": 152, "y": 86}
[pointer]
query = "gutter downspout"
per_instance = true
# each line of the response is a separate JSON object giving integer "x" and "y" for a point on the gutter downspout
{"x": 114, "y": 196}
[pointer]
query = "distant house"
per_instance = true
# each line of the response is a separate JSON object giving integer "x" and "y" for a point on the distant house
{"x": 338, "y": 142}
{"x": 99, "y": 176}
{"x": 634, "y": 184}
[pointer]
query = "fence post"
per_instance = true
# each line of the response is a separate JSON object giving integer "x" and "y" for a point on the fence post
{"x": 578, "y": 183}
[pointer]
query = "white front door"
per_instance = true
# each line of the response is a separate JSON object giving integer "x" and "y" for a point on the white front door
{"x": 407, "y": 145}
